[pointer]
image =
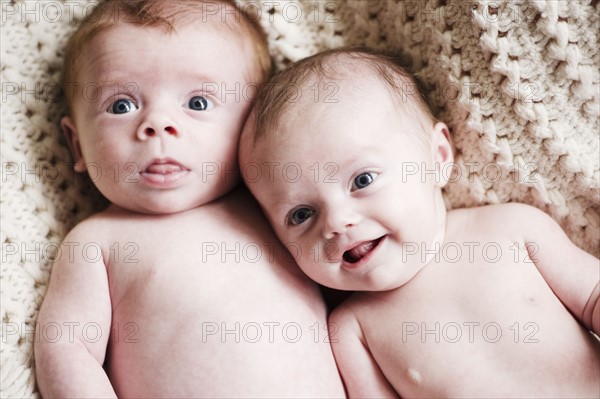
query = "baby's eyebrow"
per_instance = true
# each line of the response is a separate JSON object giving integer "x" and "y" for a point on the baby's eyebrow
{"x": 285, "y": 201}
{"x": 111, "y": 86}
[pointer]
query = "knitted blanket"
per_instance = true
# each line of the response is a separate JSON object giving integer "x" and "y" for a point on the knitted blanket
{"x": 516, "y": 81}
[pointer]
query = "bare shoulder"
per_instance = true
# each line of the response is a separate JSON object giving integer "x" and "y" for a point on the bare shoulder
{"x": 528, "y": 219}
{"x": 521, "y": 223}
{"x": 347, "y": 309}
{"x": 95, "y": 226}
{"x": 343, "y": 319}
{"x": 514, "y": 210}
{"x": 506, "y": 216}
{"x": 354, "y": 309}
{"x": 509, "y": 211}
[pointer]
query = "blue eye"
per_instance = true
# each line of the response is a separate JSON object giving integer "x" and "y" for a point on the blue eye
{"x": 200, "y": 103}
{"x": 300, "y": 215}
{"x": 122, "y": 106}
{"x": 363, "y": 180}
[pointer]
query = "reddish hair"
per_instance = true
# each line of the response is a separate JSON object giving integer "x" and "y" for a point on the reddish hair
{"x": 163, "y": 14}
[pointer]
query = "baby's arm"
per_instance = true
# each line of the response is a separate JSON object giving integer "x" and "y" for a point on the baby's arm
{"x": 573, "y": 274}
{"x": 361, "y": 374}
{"x": 78, "y": 306}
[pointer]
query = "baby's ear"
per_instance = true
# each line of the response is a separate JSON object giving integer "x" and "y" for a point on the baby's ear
{"x": 443, "y": 157}
{"x": 72, "y": 136}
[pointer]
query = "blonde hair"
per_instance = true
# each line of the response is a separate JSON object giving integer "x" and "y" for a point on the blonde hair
{"x": 275, "y": 97}
{"x": 158, "y": 13}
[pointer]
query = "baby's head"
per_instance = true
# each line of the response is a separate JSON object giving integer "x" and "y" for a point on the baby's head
{"x": 347, "y": 160}
{"x": 157, "y": 93}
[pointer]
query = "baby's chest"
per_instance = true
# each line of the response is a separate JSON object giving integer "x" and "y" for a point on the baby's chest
{"x": 477, "y": 324}
{"x": 183, "y": 266}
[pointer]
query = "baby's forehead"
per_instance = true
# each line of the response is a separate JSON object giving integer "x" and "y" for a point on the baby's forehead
{"x": 347, "y": 82}
{"x": 345, "y": 95}
{"x": 204, "y": 29}
{"x": 357, "y": 72}
{"x": 349, "y": 74}
{"x": 339, "y": 87}
{"x": 327, "y": 110}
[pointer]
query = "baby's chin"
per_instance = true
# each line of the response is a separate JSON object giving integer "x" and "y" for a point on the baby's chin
{"x": 153, "y": 209}
{"x": 169, "y": 202}
{"x": 373, "y": 282}
{"x": 164, "y": 207}
{"x": 364, "y": 287}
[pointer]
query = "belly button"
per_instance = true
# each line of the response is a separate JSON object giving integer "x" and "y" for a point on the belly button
{"x": 414, "y": 376}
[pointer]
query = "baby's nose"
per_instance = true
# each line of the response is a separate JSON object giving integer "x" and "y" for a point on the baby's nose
{"x": 150, "y": 131}
{"x": 338, "y": 221}
{"x": 155, "y": 125}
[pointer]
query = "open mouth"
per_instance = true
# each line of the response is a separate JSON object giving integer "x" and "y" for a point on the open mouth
{"x": 363, "y": 249}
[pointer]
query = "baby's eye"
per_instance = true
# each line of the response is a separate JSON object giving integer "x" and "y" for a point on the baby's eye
{"x": 300, "y": 215}
{"x": 200, "y": 103}
{"x": 363, "y": 180}
{"x": 122, "y": 106}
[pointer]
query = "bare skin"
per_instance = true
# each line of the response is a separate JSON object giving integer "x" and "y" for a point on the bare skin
{"x": 484, "y": 302}
{"x": 468, "y": 327}
{"x": 198, "y": 313}
{"x": 180, "y": 288}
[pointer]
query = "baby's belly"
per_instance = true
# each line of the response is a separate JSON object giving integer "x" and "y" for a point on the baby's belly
{"x": 504, "y": 335}
{"x": 500, "y": 361}
{"x": 226, "y": 331}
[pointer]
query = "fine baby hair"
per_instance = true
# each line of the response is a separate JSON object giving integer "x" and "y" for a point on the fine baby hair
{"x": 288, "y": 86}
{"x": 163, "y": 14}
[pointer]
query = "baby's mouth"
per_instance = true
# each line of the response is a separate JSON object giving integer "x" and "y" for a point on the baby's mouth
{"x": 164, "y": 167}
{"x": 164, "y": 173}
{"x": 358, "y": 252}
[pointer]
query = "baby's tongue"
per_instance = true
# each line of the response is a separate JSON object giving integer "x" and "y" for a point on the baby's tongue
{"x": 163, "y": 168}
{"x": 355, "y": 254}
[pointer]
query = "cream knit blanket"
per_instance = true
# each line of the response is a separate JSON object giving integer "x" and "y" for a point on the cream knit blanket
{"x": 517, "y": 82}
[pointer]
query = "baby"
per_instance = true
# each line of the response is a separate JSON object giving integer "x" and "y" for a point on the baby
{"x": 348, "y": 164}
{"x": 178, "y": 289}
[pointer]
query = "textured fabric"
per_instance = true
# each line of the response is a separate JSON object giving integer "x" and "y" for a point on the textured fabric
{"x": 516, "y": 81}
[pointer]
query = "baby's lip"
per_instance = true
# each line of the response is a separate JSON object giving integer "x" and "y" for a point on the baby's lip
{"x": 164, "y": 173}
{"x": 164, "y": 166}
{"x": 360, "y": 250}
